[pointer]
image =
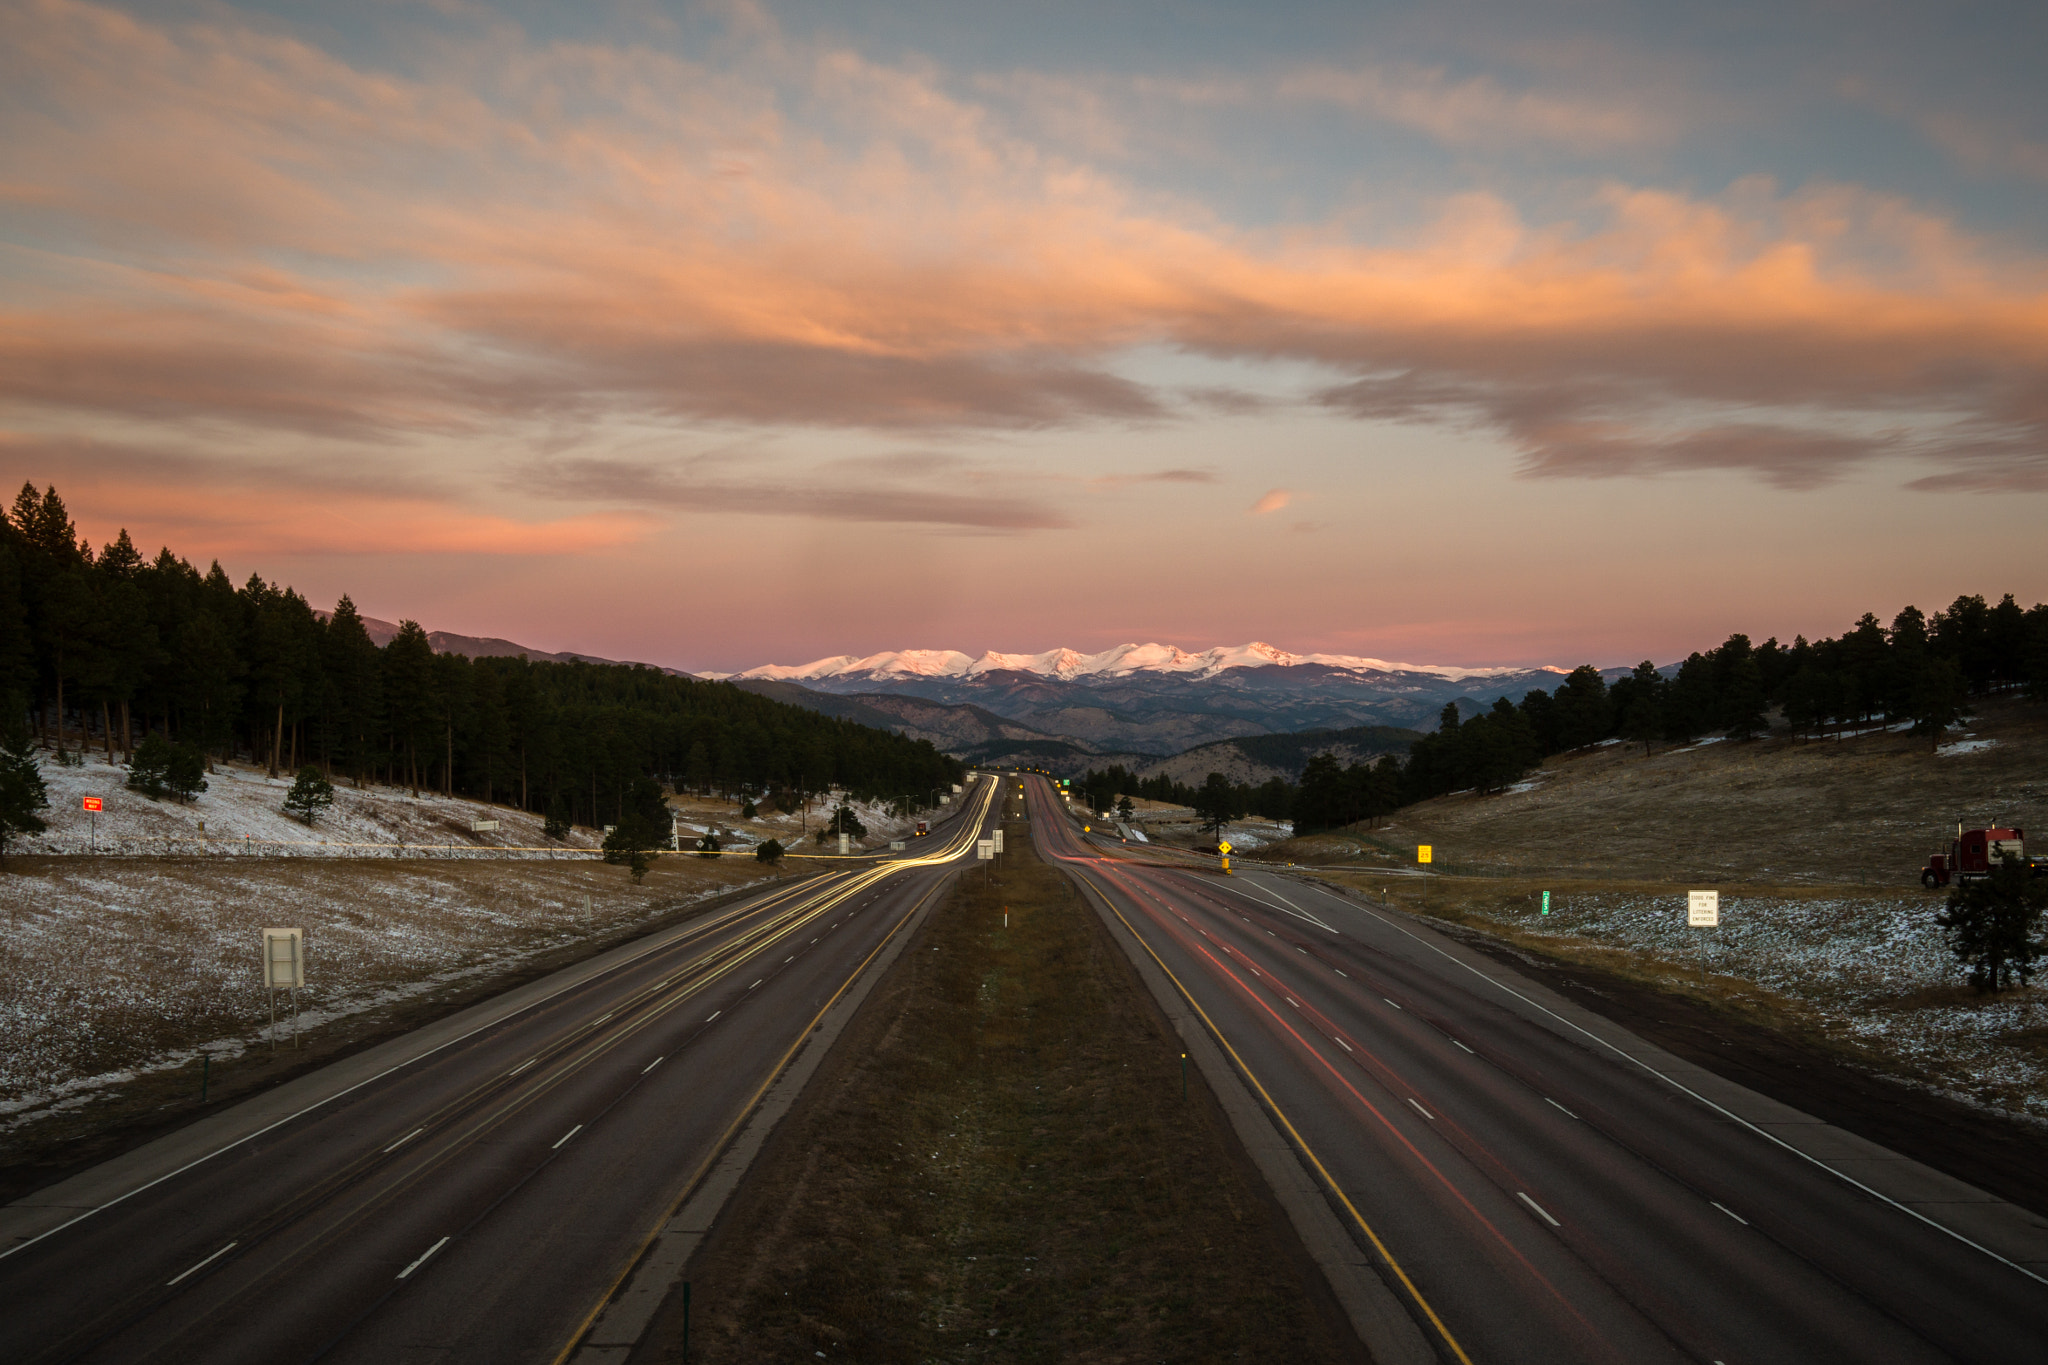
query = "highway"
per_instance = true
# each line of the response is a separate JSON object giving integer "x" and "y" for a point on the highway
{"x": 1524, "y": 1183}
{"x": 472, "y": 1199}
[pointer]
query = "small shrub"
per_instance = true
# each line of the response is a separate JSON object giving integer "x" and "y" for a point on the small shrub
{"x": 311, "y": 793}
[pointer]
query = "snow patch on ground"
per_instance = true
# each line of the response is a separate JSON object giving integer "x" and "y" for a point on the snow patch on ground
{"x": 1877, "y": 966}
{"x": 242, "y": 811}
{"x": 1966, "y": 746}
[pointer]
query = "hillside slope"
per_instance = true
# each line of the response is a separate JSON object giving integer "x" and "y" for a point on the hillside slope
{"x": 1258, "y": 758}
{"x": 1864, "y": 810}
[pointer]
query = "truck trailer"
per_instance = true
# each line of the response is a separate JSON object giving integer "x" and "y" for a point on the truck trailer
{"x": 1976, "y": 853}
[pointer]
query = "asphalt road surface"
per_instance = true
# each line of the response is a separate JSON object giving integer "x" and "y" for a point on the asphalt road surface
{"x": 1531, "y": 1193}
{"x": 475, "y": 1203}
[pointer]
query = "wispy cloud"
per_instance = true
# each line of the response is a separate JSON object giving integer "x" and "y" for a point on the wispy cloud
{"x": 1271, "y": 501}
{"x": 813, "y": 493}
{"x": 250, "y": 235}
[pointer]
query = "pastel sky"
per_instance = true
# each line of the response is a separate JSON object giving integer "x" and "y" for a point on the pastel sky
{"x": 723, "y": 334}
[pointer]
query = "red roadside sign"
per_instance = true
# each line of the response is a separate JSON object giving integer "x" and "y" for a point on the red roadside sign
{"x": 92, "y": 803}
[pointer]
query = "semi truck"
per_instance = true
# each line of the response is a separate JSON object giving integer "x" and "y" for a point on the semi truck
{"x": 923, "y": 829}
{"x": 1974, "y": 853}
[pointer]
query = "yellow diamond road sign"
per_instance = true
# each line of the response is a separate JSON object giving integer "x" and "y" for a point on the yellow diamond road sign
{"x": 1224, "y": 847}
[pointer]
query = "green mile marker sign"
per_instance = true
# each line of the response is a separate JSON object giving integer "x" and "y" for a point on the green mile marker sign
{"x": 1546, "y": 902}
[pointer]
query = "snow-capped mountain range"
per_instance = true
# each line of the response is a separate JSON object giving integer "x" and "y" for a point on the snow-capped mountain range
{"x": 1134, "y": 699}
{"x": 1066, "y": 665}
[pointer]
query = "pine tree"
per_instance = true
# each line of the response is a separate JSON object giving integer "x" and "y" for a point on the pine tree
{"x": 311, "y": 794}
{"x": 1643, "y": 722}
{"x": 1990, "y": 924}
{"x": 1216, "y": 803}
{"x": 22, "y": 794}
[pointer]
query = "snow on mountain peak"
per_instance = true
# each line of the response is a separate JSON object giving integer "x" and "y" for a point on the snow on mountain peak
{"x": 1120, "y": 661}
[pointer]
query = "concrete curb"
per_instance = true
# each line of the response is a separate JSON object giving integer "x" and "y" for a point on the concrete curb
{"x": 51, "y": 1207}
{"x": 625, "y": 1319}
{"x": 1389, "y": 1335}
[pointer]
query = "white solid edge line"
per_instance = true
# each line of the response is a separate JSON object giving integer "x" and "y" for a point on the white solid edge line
{"x": 1730, "y": 1212}
{"x": 522, "y": 1066}
{"x": 602, "y": 1017}
{"x": 1539, "y": 1209}
{"x": 349, "y": 1090}
{"x": 758, "y": 982}
{"x": 1420, "y": 1110}
{"x": 423, "y": 1258}
{"x": 714, "y": 1015}
{"x": 402, "y": 1141}
{"x": 653, "y": 1064}
{"x": 565, "y": 1137}
{"x": 203, "y": 1264}
{"x": 1685, "y": 1089}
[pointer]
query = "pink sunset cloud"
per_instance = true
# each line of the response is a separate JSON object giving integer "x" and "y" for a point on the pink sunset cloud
{"x": 442, "y": 258}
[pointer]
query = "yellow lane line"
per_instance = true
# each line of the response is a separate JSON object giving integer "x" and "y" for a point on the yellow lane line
{"x": 1294, "y": 1133}
{"x": 718, "y": 1148}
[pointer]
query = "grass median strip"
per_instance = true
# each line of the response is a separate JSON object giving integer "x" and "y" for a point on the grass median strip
{"x": 997, "y": 1164}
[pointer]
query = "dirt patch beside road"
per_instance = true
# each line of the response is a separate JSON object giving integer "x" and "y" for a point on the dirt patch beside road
{"x": 997, "y": 1164}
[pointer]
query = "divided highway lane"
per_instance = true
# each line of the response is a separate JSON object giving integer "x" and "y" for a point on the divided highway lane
{"x": 477, "y": 1202}
{"x": 1539, "y": 1197}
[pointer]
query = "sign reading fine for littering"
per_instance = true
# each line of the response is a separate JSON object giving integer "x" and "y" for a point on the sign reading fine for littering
{"x": 1702, "y": 909}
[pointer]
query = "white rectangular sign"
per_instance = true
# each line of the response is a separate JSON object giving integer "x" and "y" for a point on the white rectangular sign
{"x": 1702, "y": 909}
{"x": 984, "y": 849}
{"x": 999, "y": 841}
{"x": 284, "y": 958}
{"x": 482, "y": 826}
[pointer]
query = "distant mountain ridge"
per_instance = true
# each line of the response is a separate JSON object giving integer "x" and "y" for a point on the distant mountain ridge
{"x": 1161, "y": 700}
{"x": 1067, "y": 665}
{"x": 487, "y": 646}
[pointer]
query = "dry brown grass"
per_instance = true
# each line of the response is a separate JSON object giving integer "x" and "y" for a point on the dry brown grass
{"x": 1864, "y": 811}
{"x": 997, "y": 1164}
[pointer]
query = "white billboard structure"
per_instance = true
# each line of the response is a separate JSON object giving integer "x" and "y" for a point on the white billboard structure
{"x": 284, "y": 969}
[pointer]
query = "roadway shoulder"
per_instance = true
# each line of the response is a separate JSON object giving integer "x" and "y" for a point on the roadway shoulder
{"x": 2013, "y": 1233}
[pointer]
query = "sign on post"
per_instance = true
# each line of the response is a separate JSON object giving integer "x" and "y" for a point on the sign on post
{"x": 999, "y": 841}
{"x": 284, "y": 968}
{"x": 92, "y": 803}
{"x": 985, "y": 849}
{"x": 284, "y": 962}
{"x": 1546, "y": 902}
{"x": 1702, "y": 909}
{"x": 1424, "y": 853}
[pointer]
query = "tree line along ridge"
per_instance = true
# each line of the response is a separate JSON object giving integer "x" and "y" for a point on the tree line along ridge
{"x": 107, "y": 650}
{"x": 1920, "y": 670}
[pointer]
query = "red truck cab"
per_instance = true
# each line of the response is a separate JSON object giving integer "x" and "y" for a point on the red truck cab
{"x": 923, "y": 829}
{"x": 1973, "y": 853}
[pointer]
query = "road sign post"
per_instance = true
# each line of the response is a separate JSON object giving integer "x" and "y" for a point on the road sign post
{"x": 1703, "y": 911}
{"x": 1546, "y": 902}
{"x": 284, "y": 968}
{"x": 1425, "y": 854}
{"x": 92, "y": 805}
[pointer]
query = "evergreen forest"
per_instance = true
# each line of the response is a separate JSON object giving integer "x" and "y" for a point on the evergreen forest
{"x": 1919, "y": 672}
{"x": 108, "y": 650}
